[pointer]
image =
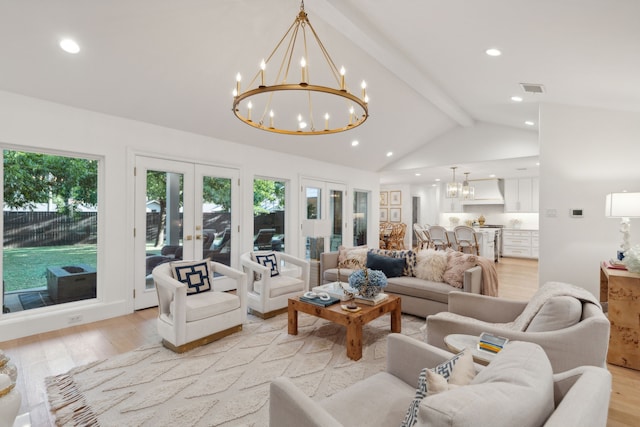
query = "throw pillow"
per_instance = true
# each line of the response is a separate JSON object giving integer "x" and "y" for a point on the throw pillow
{"x": 391, "y": 267}
{"x": 444, "y": 370}
{"x": 408, "y": 256}
{"x": 462, "y": 374}
{"x": 431, "y": 265}
{"x": 358, "y": 253}
{"x": 457, "y": 264}
{"x": 267, "y": 259}
{"x": 557, "y": 313}
{"x": 195, "y": 274}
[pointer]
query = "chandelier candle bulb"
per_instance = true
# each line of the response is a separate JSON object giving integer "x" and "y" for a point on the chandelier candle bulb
{"x": 249, "y": 107}
{"x": 238, "y": 78}
{"x": 262, "y": 67}
{"x": 351, "y": 110}
{"x": 363, "y": 85}
{"x": 271, "y": 118}
{"x": 326, "y": 121}
{"x": 303, "y": 66}
{"x": 342, "y": 85}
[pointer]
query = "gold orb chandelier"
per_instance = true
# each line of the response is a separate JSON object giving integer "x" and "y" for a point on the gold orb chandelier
{"x": 288, "y": 105}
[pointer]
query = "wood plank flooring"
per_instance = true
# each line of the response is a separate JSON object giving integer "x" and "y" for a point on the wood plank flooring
{"x": 52, "y": 353}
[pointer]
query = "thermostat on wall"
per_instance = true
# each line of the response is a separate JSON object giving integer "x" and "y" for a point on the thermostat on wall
{"x": 575, "y": 213}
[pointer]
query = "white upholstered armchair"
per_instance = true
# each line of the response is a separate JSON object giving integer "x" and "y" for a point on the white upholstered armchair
{"x": 273, "y": 278}
{"x": 186, "y": 318}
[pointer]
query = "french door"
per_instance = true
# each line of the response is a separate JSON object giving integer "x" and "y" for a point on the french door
{"x": 183, "y": 211}
{"x": 324, "y": 202}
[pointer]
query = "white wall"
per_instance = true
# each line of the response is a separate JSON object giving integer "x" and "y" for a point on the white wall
{"x": 585, "y": 153}
{"x": 34, "y": 124}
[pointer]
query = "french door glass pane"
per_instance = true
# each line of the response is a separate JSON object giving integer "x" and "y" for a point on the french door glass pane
{"x": 164, "y": 219}
{"x": 216, "y": 219}
{"x": 50, "y": 224}
{"x": 314, "y": 206}
{"x": 268, "y": 214}
{"x": 335, "y": 212}
{"x": 360, "y": 217}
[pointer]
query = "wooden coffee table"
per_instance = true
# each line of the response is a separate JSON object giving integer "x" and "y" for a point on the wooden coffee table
{"x": 352, "y": 321}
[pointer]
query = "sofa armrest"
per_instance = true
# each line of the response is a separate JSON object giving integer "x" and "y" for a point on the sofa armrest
{"x": 472, "y": 280}
{"x": 289, "y": 406}
{"x": 407, "y": 356}
{"x": 299, "y": 262}
{"x": 584, "y": 387}
{"x": 485, "y": 308}
{"x": 328, "y": 260}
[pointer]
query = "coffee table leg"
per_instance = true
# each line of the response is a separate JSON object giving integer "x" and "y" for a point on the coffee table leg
{"x": 354, "y": 340}
{"x": 396, "y": 319}
{"x": 293, "y": 319}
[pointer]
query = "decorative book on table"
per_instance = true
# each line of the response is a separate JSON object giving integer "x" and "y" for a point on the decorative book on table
{"x": 372, "y": 301}
{"x": 320, "y": 302}
{"x": 491, "y": 343}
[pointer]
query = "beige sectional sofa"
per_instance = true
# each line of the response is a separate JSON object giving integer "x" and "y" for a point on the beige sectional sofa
{"x": 420, "y": 297}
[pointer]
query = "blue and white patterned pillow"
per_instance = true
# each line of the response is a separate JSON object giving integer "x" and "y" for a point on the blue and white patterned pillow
{"x": 444, "y": 369}
{"x": 195, "y": 274}
{"x": 268, "y": 260}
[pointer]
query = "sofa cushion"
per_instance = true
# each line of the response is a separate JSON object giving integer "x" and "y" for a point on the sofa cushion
{"x": 381, "y": 397}
{"x": 281, "y": 285}
{"x": 408, "y": 256}
{"x": 419, "y": 288}
{"x": 391, "y": 267}
{"x": 457, "y": 264}
{"x": 556, "y": 313}
{"x": 207, "y": 304}
{"x": 357, "y": 253}
{"x": 331, "y": 274}
{"x": 515, "y": 389}
{"x": 195, "y": 274}
{"x": 431, "y": 265}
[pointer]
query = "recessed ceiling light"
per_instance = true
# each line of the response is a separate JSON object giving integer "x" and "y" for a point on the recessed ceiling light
{"x": 354, "y": 143}
{"x": 493, "y": 52}
{"x": 69, "y": 46}
{"x": 418, "y": 174}
{"x": 537, "y": 163}
{"x": 437, "y": 179}
{"x": 529, "y": 123}
{"x": 493, "y": 175}
{"x": 516, "y": 98}
{"x": 390, "y": 153}
{"x": 434, "y": 185}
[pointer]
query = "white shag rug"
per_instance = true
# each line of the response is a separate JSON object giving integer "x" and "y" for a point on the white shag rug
{"x": 225, "y": 383}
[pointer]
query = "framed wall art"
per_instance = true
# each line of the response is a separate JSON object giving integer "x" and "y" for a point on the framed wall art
{"x": 384, "y": 198}
{"x": 384, "y": 214}
{"x": 396, "y": 197}
{"x": 395, "y": 214}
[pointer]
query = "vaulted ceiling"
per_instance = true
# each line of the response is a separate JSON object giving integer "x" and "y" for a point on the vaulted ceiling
{"x": 436, "y": 98}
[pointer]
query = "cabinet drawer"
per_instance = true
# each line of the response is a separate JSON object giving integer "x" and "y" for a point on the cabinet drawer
{"x": 516, "y": 233}
{"x": 535, "y": 242}
{"x": 535, "y": 253}
{"x": 524, "y": 241}
{"x": 516, "y": 251}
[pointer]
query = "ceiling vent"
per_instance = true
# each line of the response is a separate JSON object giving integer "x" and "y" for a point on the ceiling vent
{"x": 532, "y": 87}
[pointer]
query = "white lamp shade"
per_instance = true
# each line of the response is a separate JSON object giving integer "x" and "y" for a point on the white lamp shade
{"x": 622, "y": 205}
{"x": 316, "y": 228}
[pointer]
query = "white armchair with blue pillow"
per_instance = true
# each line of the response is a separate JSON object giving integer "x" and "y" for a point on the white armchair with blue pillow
{"x": 427, "y": 386}
{"x": 273, "y": 278}
{"x": 190, "y": 311}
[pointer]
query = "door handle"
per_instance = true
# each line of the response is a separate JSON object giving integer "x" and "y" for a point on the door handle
{"x": 198, "y": 236}
{"x": 189, "y": 237}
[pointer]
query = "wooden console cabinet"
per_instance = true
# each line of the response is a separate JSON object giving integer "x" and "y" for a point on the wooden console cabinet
{"x": 622, "y": 291}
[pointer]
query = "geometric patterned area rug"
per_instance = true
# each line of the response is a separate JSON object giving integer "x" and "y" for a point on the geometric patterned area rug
{"x": 225, "y": 383}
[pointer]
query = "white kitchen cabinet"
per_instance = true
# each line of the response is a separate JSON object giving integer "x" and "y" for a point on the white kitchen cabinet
{"x": 520, "y": 243}
{"x": 521, "y": 195}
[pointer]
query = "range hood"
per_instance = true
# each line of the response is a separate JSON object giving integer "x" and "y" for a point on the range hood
{"x": 487, "y": 192}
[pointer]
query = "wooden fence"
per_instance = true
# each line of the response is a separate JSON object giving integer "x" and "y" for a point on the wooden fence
{"x": 32, "y": 229}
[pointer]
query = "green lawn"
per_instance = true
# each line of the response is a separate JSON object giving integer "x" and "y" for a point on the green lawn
{"x": 26, "y": 268}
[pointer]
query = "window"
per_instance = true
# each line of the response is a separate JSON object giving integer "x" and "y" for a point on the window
{"x": 268, "y": 214}
{"x": 50, "y": 224}
{"x": 360, "y": 217}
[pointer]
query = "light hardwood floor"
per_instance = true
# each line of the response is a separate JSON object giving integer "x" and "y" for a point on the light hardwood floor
{"x": 52, "y": 353}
